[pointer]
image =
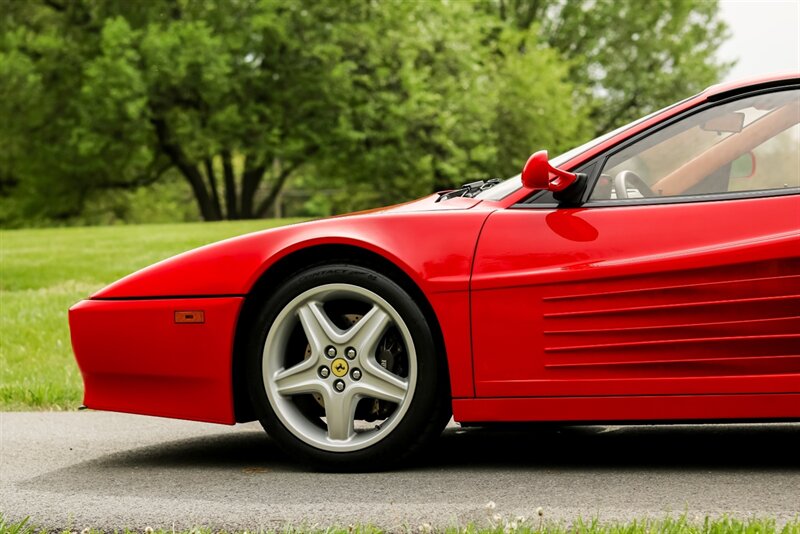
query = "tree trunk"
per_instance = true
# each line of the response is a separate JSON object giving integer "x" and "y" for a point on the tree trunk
{"x": 251, "y": 178}
{"x": 212, "y": 182}
{"x": 204, "y": 202}
{"x": 281, "y": 175}
{"x": 231, "y": 209}
{"x": 189, "y": 171}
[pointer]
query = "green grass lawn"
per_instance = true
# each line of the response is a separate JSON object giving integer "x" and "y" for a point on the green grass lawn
{"x": 643, "y": 526}
{"x": 44, "y": 271}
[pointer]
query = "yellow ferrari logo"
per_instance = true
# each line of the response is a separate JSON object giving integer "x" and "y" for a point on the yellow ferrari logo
{"x": 339, "y": 367}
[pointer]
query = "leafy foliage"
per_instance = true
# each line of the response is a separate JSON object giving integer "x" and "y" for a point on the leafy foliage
{"x": 629, "y": 57}
{"x": 379, "y": 101}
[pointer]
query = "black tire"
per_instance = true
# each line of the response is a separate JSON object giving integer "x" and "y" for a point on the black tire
{"x": 428, "y": 411}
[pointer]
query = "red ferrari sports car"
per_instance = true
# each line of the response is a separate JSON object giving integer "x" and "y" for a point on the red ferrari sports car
{"x": 650, "y": 275}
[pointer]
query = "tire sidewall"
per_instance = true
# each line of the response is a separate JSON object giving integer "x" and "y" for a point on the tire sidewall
{"x": 427, "y": 392}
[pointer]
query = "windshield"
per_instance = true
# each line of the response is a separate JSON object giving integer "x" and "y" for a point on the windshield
{"x": 506, "y": 187}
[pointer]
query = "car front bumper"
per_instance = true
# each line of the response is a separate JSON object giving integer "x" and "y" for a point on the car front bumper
{"x": 137, "y": 356}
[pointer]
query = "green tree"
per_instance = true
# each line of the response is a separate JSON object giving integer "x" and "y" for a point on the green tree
{"x": 439, "y": 95}
{"x": 381, "y": 100}
{"x": 230, "y": 94}
{"x": 629, "y": 57}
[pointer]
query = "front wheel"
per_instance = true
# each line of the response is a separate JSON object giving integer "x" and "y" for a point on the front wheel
{"x": 343, "y": 371}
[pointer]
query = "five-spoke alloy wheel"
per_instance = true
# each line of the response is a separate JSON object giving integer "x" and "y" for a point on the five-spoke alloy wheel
{"x": 343, "y": 371}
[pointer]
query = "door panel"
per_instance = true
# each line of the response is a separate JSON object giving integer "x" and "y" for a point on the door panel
{"x": 661, "y": 299}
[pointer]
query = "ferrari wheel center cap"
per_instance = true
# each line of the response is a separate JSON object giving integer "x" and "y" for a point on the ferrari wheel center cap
{"x": 339, "y": 367}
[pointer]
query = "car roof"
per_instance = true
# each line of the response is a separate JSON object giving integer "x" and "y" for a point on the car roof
{"x": 748, "y": 83}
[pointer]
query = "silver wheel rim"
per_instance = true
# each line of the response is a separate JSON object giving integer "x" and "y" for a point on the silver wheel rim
{"x": 340, "y": 431}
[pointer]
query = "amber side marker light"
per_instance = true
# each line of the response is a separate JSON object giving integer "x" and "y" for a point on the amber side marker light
{"x": 189, "y": 317}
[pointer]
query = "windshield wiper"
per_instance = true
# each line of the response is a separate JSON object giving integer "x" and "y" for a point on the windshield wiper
{"x": 469, "y": 190}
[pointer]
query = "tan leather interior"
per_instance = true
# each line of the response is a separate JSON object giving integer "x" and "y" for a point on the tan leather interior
{"x": 727, "y": 150}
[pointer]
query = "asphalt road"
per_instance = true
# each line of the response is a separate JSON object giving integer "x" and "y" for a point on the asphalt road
{"x": 109, "y": 471}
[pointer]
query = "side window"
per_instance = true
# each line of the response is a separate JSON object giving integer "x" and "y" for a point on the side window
{"x": 751, "y": 144}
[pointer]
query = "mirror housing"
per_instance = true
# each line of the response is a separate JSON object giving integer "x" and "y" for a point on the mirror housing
{"x": 567, "y": 187}
{"x": 539, "y": 174}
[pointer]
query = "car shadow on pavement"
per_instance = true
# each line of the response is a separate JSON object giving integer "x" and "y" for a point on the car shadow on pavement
{"x": 682, "y": 447}
{"x": 218, "y": 462}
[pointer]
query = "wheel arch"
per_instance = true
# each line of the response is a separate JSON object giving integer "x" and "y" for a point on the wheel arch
{"x": 304, "y": 258}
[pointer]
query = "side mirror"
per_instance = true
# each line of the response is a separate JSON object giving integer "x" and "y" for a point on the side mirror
{"x": 567, "y": 187}
{"x": 539, "y": 174}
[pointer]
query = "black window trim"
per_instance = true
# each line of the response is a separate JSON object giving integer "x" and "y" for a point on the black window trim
{"x": 597, "y": 164}
{"x": 687, "y": 199}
